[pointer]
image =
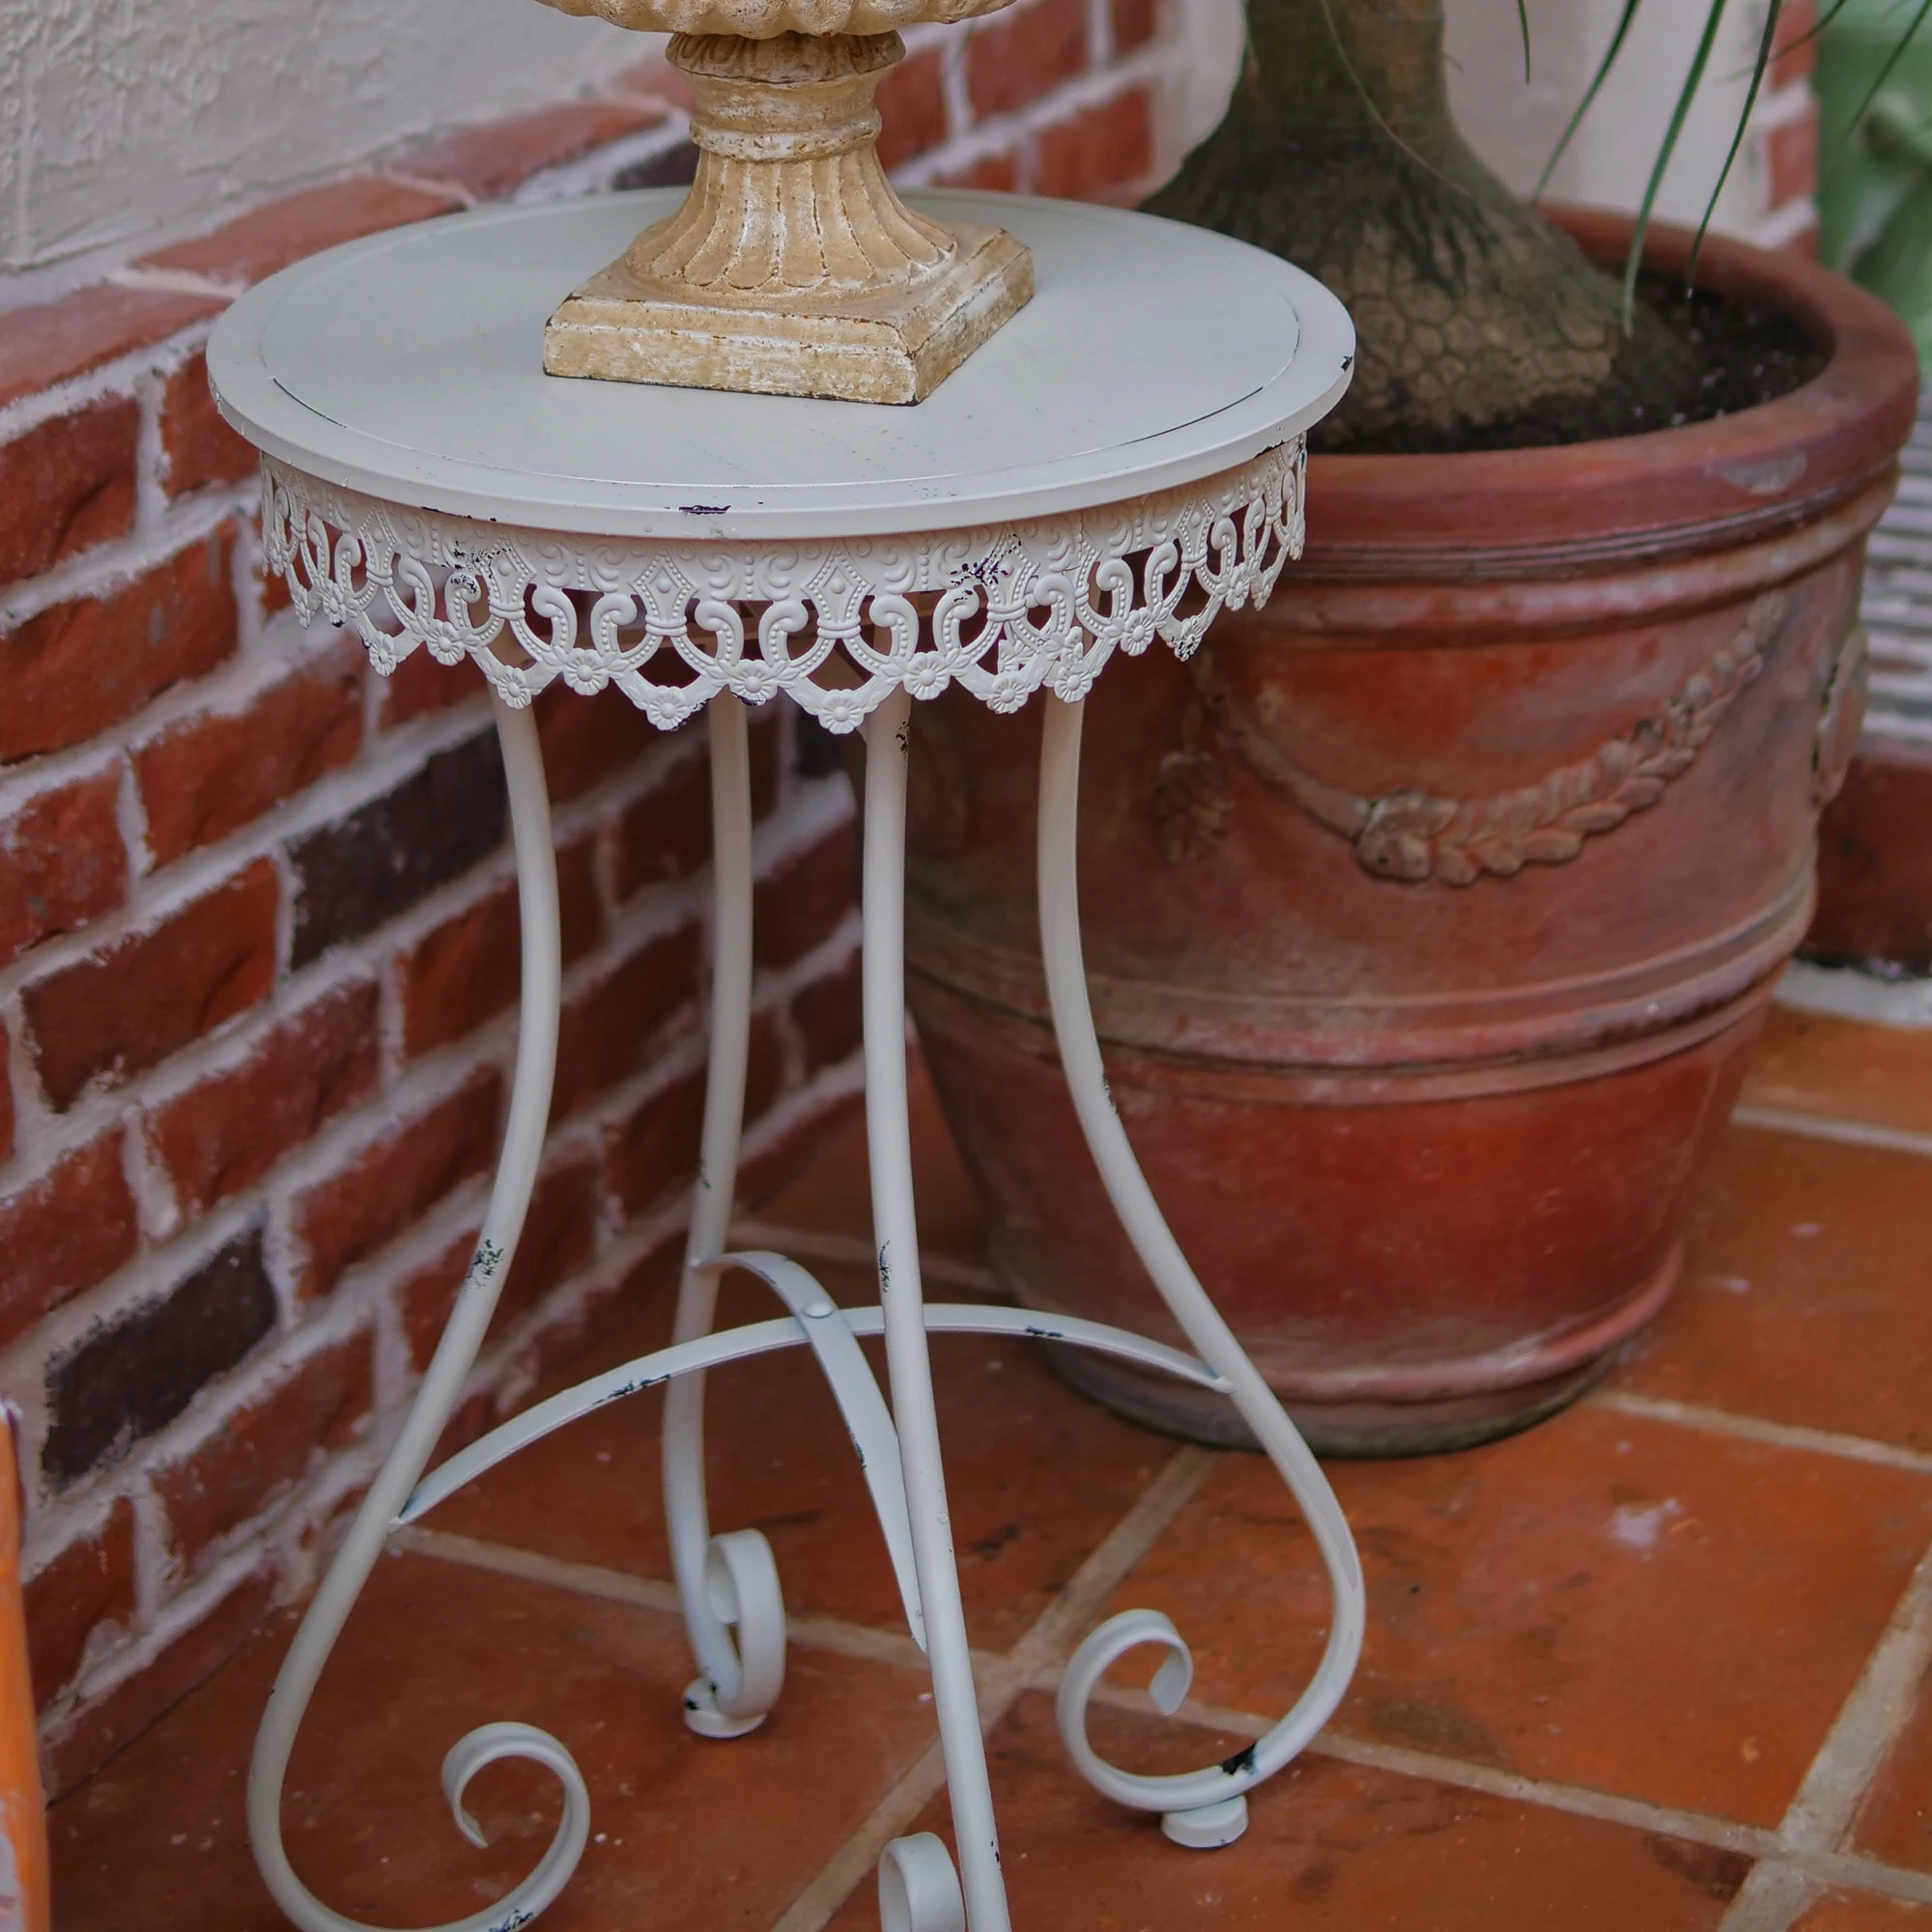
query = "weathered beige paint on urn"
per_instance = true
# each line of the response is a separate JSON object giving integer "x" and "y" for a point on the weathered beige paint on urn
{"x": 792, "y": 268}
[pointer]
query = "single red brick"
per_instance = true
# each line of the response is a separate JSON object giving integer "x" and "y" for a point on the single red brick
{"x": 654, "y": 81}
{"x": 197, "y": 447}
{"x": 764, "y": 1066}
{"x": 800, "y": 903}
{"x": 1133, "y": 22}
{"x": 267, "y": 1445}
{"x": 126, "y": 1008}
{"x": 490, "y": 160}
{"x": 67, "y": 485}
{"x": 89, "y": 1584}
{"x": 912, "y": 102}
{"x": 6, "y": 1102}
{"x": 829, "y": 1016}
{"x": 62, "y": 1234}
{"x": 107, "y": 1723}
{"x": 1791, "y": 158}
{"x": 224, "y": 1134}
{"x": 210, "y": 775}
{"x": 464, "y": 972}
{"x": 580, "y": 906}
{"x": 805, "y": 1141}
{"x": 664, "y": 833}
{"x": 81, "y": 667}
{"x": 1021, "y": 56}
{"x": 476, "y": 1414}
{"x": 419, "y": 685}
{"x": 272, "y": 588}
{"x": 255, "y": 244}
{"x": 56, "y": 341}
{"x": 993, "y": 174}
{"x": 1795, "y": 50}
{"x": 63, "y": 861}
{"x": 471, "y": 967}
{"x": 559, "y": 1237}
{"x": 586, "y": 739}
{"x": 655, "y": 1151}
{"x": 424, "y": 1298}
{"x": 391, "y": 1183}
{"x": 606, "y": 1030}
{"x": 1102, "y": 152}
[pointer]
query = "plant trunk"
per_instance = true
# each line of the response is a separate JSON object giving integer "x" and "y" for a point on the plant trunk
{"x": 1478, "y": 323}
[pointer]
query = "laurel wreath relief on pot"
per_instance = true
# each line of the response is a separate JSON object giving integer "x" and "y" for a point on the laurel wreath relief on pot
{"x": 1410, "y": 835}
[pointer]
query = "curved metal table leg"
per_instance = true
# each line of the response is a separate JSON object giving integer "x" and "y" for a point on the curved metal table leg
{"x": 730, "y": 1580}
{"x": 912, "y": 1887}
{"x": 1207, "y": 1807}
{"x": 441, "y": 1387}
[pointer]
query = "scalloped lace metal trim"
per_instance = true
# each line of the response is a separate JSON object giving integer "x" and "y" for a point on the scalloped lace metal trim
{"x": 837, "y": 624}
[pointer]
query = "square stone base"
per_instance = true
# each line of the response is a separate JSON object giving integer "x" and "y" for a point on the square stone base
{"x": 895, "y": 346}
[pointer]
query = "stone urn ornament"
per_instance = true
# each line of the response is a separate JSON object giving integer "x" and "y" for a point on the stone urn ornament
{"x": 792, "y": 269}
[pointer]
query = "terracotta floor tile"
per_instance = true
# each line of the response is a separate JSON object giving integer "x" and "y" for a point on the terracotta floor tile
{"x": 1330, "y": 1845}
{"x": 1896, "y": 1820}
{"x": 1864, "y": 1912}
{"x": 781, "y": 1461}
{"x": 1803, "y": 1300}
{"x": 1818, "y": 1064}
{"x": 833, "y": 1194}
{"x": 1606, "y": 1602}
{"x": 686, "y": 1834}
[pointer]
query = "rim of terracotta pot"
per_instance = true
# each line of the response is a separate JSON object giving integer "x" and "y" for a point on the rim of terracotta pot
{"x": 1576, "y": 506}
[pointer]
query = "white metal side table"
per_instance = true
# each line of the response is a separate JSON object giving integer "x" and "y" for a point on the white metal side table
{"x": 1124, "y": 460}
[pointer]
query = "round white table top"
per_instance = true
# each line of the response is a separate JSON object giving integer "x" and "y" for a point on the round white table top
{"x": 408, "y": 367}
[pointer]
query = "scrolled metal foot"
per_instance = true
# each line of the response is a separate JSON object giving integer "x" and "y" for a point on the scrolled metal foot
{"x": 1201, "y": 1809}
{"x": 919, "y": 1889}
{"x": 1207, "y": 1807}
{"x": 435, "y": 1399}
{"x": 741, "y": 1584}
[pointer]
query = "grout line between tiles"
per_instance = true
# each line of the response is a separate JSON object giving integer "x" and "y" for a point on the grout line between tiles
{"x": 1638, "y": 1814}
{"x": 1791, "y": 1874}
{"x": 620, "y": 1586}
{"x": 1773, "y": 1899}
{"x": 1830, "y": 1128}
{"x": 1818, "y": 1869}
{"x": 1880, "y": 1703}
{"x": 1052, "y": 1634}
{"x": 1752, "y": 1429}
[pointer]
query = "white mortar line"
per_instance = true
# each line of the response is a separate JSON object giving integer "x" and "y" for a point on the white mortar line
{"x": 1821, "y": 1815}
{"x": 646, "y": 1593}
{"x": 1867, "y": 1724}
{"x": 1773, "y": 1899}
{"x": 1750, "y": 1428}
{"x": 1830, "y": 1128}
{"x": 1052, "y": 1635}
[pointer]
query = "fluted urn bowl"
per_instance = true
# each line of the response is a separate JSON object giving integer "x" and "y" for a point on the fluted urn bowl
{"x": 792, "y": 268}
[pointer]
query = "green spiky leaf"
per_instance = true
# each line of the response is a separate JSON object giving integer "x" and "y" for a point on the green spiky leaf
{"x": 1692, "y": 80}
{"x": 1767, "y": 41}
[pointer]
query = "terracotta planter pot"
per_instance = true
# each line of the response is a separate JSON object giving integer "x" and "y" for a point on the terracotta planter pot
{"x": 1434, "y": 911}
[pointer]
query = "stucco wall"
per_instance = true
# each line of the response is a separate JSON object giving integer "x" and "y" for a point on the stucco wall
{"x": 124, "y": 120}
{"x": 1514, "y": 124}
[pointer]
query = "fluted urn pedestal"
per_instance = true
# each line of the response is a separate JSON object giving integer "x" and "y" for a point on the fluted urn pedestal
{"x": 792, "y": 269}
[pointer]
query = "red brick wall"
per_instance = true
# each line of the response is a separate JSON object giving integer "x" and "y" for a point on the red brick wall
{"x": 1784, "y": 134}
{"x": 258, "y": 923}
